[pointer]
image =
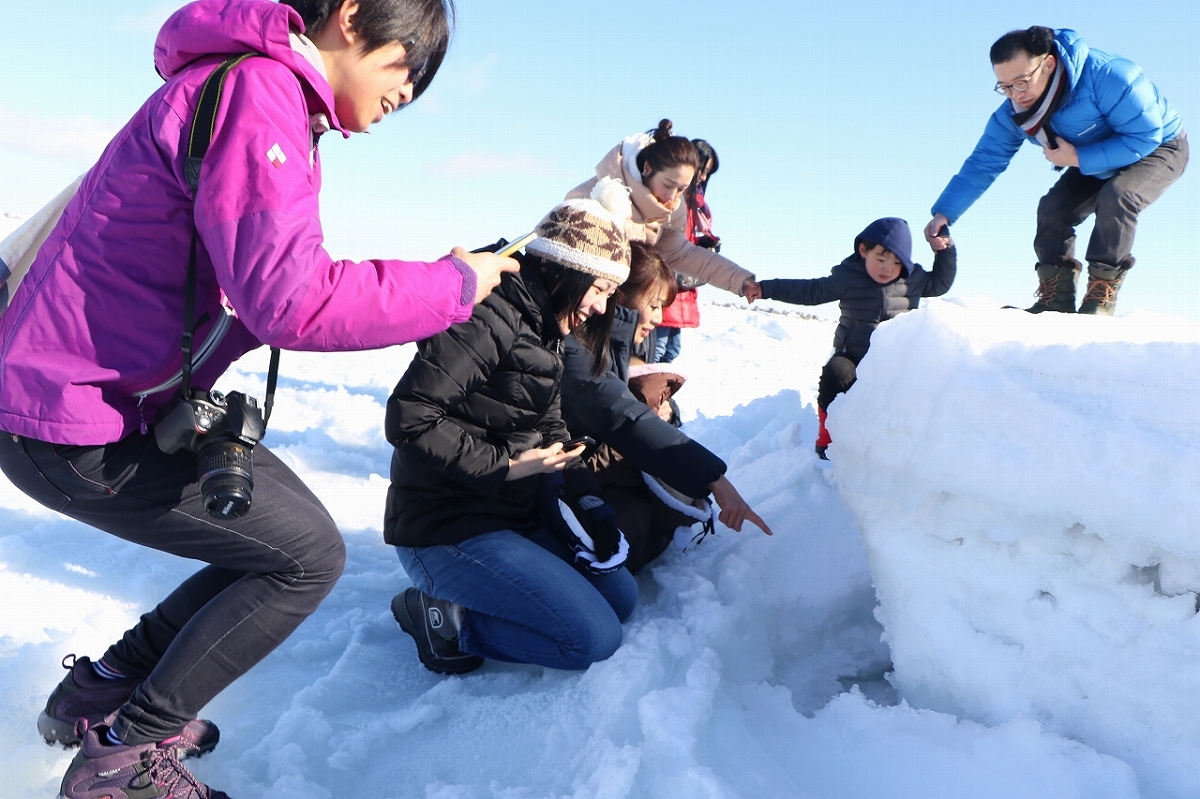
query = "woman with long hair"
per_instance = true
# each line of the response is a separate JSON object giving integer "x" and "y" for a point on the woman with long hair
{"x": 657, "y": 168}
{"x": 655, "y": 476}
{"x": 512, "y": 551}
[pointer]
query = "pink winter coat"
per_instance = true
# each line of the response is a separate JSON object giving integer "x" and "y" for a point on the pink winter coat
{"x": 99, "y": 316}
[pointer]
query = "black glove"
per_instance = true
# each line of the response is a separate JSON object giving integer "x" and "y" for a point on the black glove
{"x": 587, "y": 524}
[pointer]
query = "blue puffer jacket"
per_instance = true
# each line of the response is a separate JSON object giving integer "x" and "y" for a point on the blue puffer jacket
{"x": 1113, "y": 115}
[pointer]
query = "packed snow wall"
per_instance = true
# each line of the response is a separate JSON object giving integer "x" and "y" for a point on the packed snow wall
{"x": 1028, "y": 490}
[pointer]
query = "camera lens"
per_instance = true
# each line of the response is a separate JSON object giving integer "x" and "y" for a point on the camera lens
{"x": 226, "y": 477}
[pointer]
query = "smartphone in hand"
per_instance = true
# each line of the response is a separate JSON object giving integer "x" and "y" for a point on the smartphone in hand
{"x": 587, "y": 442}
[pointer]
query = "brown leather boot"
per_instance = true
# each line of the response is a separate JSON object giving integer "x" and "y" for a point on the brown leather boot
{"x": 1056, "y": 287}
{"x": 1102, "y": 287}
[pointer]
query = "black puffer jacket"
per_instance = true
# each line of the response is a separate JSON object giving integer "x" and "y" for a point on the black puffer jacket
{"x": 865, "y": 303}
{"x": 604, "y": 408}
{"x": 474, "y": 396}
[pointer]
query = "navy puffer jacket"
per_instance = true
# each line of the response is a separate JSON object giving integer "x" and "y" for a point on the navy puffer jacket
{"x": 603, "y": 407}
{"x": 863, "y": 302}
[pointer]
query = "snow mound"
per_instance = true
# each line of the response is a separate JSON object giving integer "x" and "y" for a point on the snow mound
{"x": 1027, "y": 488}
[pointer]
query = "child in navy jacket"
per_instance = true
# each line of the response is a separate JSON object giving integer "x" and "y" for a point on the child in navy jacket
{"x": 876, "y": 283}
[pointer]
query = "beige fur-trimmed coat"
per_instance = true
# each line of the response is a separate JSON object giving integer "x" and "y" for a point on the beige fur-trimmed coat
{"x": 656, "y": 224}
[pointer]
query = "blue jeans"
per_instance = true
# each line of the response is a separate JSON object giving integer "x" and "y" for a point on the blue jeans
{"x": 525, "y": 602}
{"x": 668, "y": 344}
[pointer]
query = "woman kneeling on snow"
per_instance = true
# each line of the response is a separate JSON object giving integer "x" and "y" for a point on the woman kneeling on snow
{"x": 481, "y": 483}
{"x": 656, "y": 478}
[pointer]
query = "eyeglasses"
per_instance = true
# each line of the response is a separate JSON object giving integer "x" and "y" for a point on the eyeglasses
{"x": 1021, "y": 83}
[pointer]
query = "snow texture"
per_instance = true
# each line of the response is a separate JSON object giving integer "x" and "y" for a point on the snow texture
{"x": 1023, "y": 489}
{"x": 1028, "y": 489}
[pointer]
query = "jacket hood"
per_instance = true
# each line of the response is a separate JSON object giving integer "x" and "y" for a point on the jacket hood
{"x": 624, "y": 321}
{"x": 1073, "y": 51}
{"x": 893, "y": 233}
{"x": 621, "y": 162}
{"x": 225, "y": 27}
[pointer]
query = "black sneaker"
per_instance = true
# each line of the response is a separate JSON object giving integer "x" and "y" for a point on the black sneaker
{"x": 427, "y": 620}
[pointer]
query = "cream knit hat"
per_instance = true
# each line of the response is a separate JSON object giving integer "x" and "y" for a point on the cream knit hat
{"x": 589, "y": 235}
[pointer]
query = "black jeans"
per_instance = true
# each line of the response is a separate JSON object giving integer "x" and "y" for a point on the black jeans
{"x": 836, "y": 378}
{"x": 1115, "y": 201}
{"x": 268, "y": 569}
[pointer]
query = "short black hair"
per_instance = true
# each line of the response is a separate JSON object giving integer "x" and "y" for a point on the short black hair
{"x": 1035, "y": 41}
{"x": 422, "y": 26}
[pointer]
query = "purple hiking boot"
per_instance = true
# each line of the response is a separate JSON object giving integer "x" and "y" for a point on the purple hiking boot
{"x": 149, "y": 771}
{"x": 83, "y": 694}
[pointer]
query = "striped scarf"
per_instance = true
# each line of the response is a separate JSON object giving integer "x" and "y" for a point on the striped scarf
{"x": 1036, "y": 121}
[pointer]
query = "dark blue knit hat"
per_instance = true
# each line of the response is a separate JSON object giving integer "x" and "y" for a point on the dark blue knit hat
{"x": 893, "y": 234}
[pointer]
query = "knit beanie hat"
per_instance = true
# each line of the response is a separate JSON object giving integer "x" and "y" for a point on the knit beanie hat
{"x": 589, "y": 235}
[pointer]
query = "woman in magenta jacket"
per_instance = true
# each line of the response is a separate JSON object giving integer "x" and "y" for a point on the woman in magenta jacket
{"x": 90, "y": 350}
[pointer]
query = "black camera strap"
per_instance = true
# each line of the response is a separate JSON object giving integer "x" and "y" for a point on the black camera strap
{"x": 199, "y": 137}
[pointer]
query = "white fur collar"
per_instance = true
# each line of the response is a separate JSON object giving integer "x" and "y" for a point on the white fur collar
{"x": 630, "y": 147}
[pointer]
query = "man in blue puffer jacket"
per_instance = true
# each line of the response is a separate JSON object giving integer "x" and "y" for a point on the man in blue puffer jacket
{"x": 1098, "y": 117}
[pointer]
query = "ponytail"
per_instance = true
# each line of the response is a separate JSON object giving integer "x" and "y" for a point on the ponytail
{"x": 666, "y": 151}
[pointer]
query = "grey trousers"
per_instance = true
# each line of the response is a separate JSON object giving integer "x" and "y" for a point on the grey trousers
{"x": 269, "y": 569}
{"x": 1115, "y": 201}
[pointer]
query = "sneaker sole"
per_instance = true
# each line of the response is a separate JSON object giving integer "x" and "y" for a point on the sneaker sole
{"x": 432, "y": 662}
{"x": 56, "y": 731}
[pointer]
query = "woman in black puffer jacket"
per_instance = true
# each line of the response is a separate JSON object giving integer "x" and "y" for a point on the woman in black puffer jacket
{"x": 478, "y": 432}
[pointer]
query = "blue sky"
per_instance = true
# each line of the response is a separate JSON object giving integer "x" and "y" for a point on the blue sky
{"x": 825, "y": 116}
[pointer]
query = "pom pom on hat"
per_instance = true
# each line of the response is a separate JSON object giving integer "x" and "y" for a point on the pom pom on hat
{"x": 614, "y": 196}
{"x": 589, "y": 235}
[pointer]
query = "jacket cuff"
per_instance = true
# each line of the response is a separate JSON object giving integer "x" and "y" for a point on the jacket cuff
{"x": 469, "y": 283}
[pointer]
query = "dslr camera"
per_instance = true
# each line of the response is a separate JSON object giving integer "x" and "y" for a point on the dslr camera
{"x": 222, "y": 430}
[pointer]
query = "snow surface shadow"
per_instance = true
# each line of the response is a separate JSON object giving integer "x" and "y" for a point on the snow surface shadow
{"x": 824, "y": 637}
{"x": 340, "y": 699}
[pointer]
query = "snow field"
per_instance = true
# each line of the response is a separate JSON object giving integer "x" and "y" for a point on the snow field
{"x": 736, "y": 677}
{"x": 1028, "y": 488}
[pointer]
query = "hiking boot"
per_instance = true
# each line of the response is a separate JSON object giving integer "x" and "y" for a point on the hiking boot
{"x": 1056, "y": 287}
{"x": 110, "y": 771}
{"x": 85, "y": 695}
{"x": 431, "y": 624}
{"x": 82, "y": 694}
{"x": 1102, "y": 287}
{"x": 821, "y": 452}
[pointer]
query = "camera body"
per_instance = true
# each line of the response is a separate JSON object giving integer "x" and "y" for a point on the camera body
{"x": 222, "y": 430}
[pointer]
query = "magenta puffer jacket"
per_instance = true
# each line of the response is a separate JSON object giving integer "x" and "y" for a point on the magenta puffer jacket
{"x": 98, "y": 318}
